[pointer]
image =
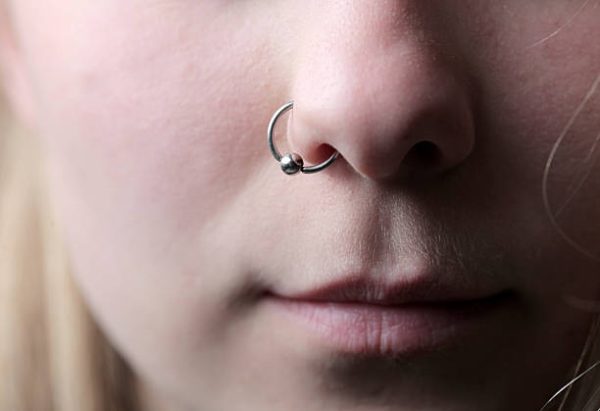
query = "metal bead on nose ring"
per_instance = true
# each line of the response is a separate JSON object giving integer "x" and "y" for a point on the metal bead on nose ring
{"x": 292, "y": 163}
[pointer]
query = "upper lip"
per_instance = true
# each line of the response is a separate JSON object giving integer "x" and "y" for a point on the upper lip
{"x": 360, "y": 289}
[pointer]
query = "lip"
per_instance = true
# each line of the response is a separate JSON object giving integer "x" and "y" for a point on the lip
{"x": 366, "y": 289}
{"x": 363, "y": 317}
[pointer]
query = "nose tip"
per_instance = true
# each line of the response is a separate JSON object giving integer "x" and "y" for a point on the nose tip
{"x": 418, "y": 120}
{"x": 385, "y": 99}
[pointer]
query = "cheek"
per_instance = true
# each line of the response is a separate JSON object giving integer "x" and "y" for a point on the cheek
{"x": 570, "y": 186}
{"x": 137, "y": 110}
{"x": 543, "y": 115}
{"x": 137, "y": 120}
{"x": 143, "y": 97}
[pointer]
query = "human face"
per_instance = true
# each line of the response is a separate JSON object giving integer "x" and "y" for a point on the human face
{"x": 200, "y": 258}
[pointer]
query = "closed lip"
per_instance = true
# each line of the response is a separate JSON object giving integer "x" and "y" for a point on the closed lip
{"x": 368, "y": 290}
{"x": 363, "y": 316}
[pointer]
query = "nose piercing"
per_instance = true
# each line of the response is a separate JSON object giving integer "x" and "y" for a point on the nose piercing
{"x": 292, "y": 163}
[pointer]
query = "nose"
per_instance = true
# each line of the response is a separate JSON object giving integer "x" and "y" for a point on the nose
{"x": 370, "y": 82}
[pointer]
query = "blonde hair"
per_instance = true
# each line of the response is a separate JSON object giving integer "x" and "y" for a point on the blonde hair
{"x": 52, "y": 355}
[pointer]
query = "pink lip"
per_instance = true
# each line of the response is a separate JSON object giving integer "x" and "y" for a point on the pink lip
{"x": 364, "y": 317}
{"x": 360, "y": 289}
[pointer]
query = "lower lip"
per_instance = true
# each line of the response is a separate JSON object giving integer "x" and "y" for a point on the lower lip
{"x": 388, "y": 330}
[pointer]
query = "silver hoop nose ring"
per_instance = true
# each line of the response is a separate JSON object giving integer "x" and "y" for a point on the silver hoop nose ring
{"x": 292, "y": 163}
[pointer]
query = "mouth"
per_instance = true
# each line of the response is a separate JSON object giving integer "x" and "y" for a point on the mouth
{"x": 363, "y": 317}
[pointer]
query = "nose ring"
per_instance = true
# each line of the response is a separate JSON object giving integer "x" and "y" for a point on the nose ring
{"x": 292, "y": 163}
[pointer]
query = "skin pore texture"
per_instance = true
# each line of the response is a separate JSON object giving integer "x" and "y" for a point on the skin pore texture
{"x": 181, "y": 227}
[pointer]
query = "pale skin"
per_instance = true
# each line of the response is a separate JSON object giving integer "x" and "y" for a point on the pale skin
{"x": 152, "y": 116}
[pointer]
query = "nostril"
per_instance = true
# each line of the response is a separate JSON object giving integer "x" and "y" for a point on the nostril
{"x": 423, "y": 155}
{"x": 322, "y": 153}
